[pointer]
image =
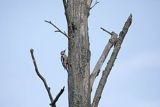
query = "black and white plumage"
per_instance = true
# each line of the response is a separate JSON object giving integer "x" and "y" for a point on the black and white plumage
{"x": 64, "y": 59}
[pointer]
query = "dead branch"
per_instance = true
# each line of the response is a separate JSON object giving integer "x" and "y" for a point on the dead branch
{"x": 110, "y": 63}
{"x": 53, "y": 102}
{"x": 100, "y": 62}
{"x": 106, "y": 30}
{"x": 94, "y": 4}
{"x": 58, "y": 30}
{"x": 40, "y": 76}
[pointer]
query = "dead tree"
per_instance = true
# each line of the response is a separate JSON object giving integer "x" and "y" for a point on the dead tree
{"x": 77, "y": 64}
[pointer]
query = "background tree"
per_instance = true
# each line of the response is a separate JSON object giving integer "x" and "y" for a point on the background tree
{"x": 80, "y": 80}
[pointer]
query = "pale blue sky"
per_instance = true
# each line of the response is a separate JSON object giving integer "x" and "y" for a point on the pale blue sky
{"x": 135, "y": 77}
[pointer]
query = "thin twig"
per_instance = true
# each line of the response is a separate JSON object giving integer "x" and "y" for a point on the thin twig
{"x": 110, "y": 63}
{"x": 106, "y": 30}
{"x": 94, "y": 4}
{"x": 58, "y": 30}
{"x": 41, "y": 77}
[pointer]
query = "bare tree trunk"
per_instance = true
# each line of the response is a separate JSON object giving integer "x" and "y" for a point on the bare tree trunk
{"x": 78, "y": 53}
{"x": 77, "y": 64}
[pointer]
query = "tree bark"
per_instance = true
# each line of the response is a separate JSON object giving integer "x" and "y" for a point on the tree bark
{"x": 110, "y": 63}
{"x": 77, "y": 12}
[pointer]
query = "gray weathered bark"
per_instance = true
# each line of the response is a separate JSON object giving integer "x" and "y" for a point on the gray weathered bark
{"x": 79, "y": 79}
{"x": 99, "y": 63}
{"x": 111, "y": 61}
{"x": 77, "y": 12}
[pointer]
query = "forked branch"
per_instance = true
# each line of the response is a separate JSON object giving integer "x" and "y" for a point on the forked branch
{"x": 94, "y": 4}
{"x": 58, "y": 30}
{"x": 53, "y": 102}
{"x": 110, "y": 63}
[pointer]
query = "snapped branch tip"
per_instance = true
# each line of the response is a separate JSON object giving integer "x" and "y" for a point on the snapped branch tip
{"x": 63, "y": 87}
{"x": 31, "y": 50}
{"x": 106, "y": 30}
{"x": 130, "y": 16}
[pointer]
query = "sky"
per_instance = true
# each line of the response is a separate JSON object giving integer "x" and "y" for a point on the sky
{"x": 134, "y": 80}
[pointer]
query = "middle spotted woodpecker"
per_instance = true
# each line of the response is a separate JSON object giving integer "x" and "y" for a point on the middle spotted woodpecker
{"x": 64, "y": 60}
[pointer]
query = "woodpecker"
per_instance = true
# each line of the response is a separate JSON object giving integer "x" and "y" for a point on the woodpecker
{"x": 64, "y": 59}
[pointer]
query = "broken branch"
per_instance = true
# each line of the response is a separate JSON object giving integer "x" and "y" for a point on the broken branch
{"x": 41, "y": 77}
{"x": 110, "y": 63}
{"x": 106, "y": 31}
{"x": 58, "y": 30}
{"x": 99, "y": 63}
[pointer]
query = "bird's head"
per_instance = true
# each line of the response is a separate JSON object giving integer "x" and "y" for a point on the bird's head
{"x": 63, "y": 52}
